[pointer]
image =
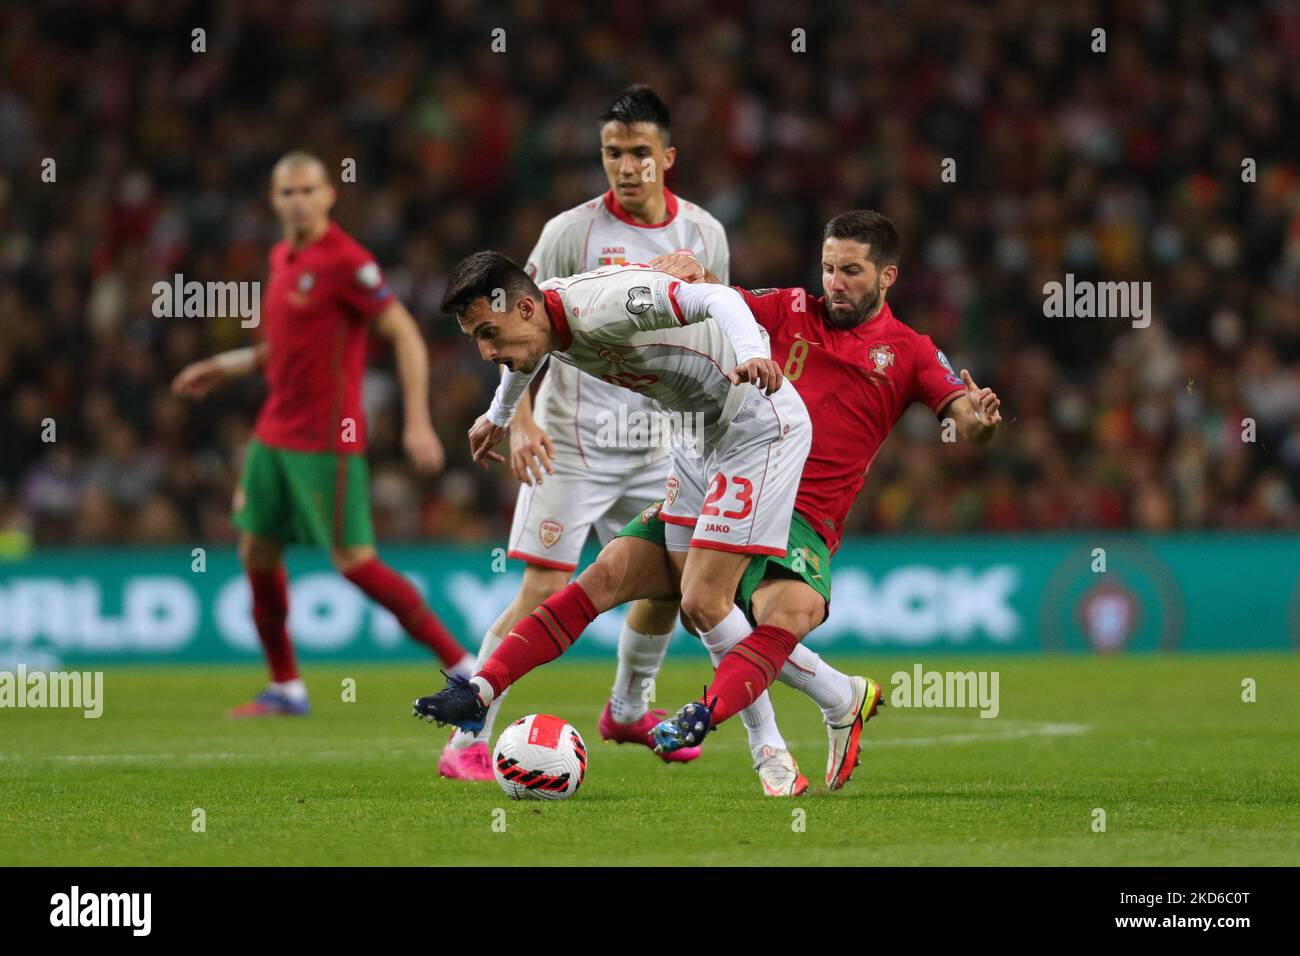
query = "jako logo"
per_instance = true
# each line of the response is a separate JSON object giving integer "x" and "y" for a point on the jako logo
{"x": 103, "y": 909}
{"x": 722, "y": 528}
{"x": 1098, "y": 300}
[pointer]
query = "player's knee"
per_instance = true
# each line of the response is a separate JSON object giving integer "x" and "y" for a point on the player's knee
{"x": 689, "y": 625}
{"x": 653, "y": 615}
{"x": 540, "y": 584}
{"x": 258, "y": 553}
{"x": 602, "y": 580}
{"x": 706, "y": 607}
{"x": 799, "y": 620}
{"x": 345, "y": 559}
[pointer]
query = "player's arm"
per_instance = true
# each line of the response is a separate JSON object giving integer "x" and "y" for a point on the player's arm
{"x": 418, "y": 437}
{"x": 531, "y": 449}
{"x": 683, "y": 265}
{"x": 975, "y": 412}
{"x": 490, "y": 428}
{"x": 199, "y": 378}
{"x": 726, "y": 306}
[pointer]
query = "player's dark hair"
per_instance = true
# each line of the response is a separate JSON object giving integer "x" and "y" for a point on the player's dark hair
{"x": 479, "y": 275}
{"x": 869, "y": 227}
{"x": 638, "y": 103}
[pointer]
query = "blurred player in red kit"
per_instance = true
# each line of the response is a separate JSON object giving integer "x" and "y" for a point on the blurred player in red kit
{"x": 304, "y": 478}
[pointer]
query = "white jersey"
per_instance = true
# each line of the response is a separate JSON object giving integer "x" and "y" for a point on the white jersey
{"x": 571, "y": 406}
{"x": 650, "y": 333}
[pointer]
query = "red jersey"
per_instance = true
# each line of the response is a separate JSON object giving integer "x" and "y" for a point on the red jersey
{"x": 856, "y": 383}
{"x": 315, "y": 316}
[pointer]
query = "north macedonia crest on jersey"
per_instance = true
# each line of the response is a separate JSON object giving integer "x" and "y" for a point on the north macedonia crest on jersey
{"x": 550, "y": 531}
{"x": 882, "y": 356}
{"x": 670, "y": 491}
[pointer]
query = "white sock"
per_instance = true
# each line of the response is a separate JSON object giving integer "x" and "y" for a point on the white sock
{"x": 759, "y": 718}
{"x": 760, "y": 723}
{"x": 639, "y": 658}
{"x": 729, "y": 632}
{"x": 294, "y": 689}
{"x": 460, "y": 739}
{"x": 806, "y": 671}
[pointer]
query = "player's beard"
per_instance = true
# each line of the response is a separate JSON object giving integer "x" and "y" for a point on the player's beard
{"x": 862, "y": 310}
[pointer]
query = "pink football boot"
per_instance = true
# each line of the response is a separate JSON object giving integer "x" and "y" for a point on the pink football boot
{"x": 638, "y": 732}
{"x": 466, "y": 763}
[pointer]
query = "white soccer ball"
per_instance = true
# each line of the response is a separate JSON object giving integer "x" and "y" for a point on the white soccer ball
{"x": 540, "y": 757}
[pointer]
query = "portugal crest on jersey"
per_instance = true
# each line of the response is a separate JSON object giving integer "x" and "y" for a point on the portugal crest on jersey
{"x": 882, "y": 356}
{"x": 649, "y": 514}
{"x": 550, "y": 531}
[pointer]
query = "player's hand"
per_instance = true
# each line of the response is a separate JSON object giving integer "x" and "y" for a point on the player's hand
{"x": 984, "y": 402}
{"x": 531, "y": 451}
{"x": 483, "y": 437}
{"x": 423, "y": 448}
{"x": 197, "y": 379}
{"x": 763, "y": 372}
{"x": 681, "y": 265}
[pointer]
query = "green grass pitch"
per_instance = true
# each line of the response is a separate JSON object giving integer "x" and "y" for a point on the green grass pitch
{"x": 1186, "y": 772}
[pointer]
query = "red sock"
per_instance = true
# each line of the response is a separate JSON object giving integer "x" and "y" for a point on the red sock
{"x": 748, "y": 669}
{"x": 385, "y": 586}
{"x": 270, "y": 611}
{"x": 540, "y": 637}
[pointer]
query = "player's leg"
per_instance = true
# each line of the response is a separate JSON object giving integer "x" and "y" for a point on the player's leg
{"x": 361, "y": 565}
{"x": 262, "y": 512}
{"x": 754, "y": 473}
{"x": 643, "y": 640}
{"x": 847, "y": 703}
{"x": 624, "y": 571}
{"x": 350, "y": 537}
{"x": 642, "y": 643}
{"x": 550, "y": 526}
{"x": 466, "y": 757}
{"x": 776, "y": 767}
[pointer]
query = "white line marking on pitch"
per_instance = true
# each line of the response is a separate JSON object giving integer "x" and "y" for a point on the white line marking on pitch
{"x": 1040, "y": 730}
{"x": 1025, "y": 728}
{"x": 203, "y": 756}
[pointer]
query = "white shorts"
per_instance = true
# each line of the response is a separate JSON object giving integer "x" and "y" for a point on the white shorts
{"x": 552, "y": 520}
{"x": 739, "y": 495}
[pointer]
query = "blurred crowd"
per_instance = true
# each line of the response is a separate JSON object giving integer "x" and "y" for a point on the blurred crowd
{"x": 1125, "y": 164}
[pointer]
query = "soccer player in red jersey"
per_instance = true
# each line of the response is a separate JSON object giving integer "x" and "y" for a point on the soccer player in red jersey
{"x": 304, "y": 478}
{"x": 858, "y": 368}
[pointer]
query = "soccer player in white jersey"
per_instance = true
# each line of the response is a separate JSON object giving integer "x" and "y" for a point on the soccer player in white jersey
{"x": 695, "y": 349}
{"x": 581, "y": 464}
